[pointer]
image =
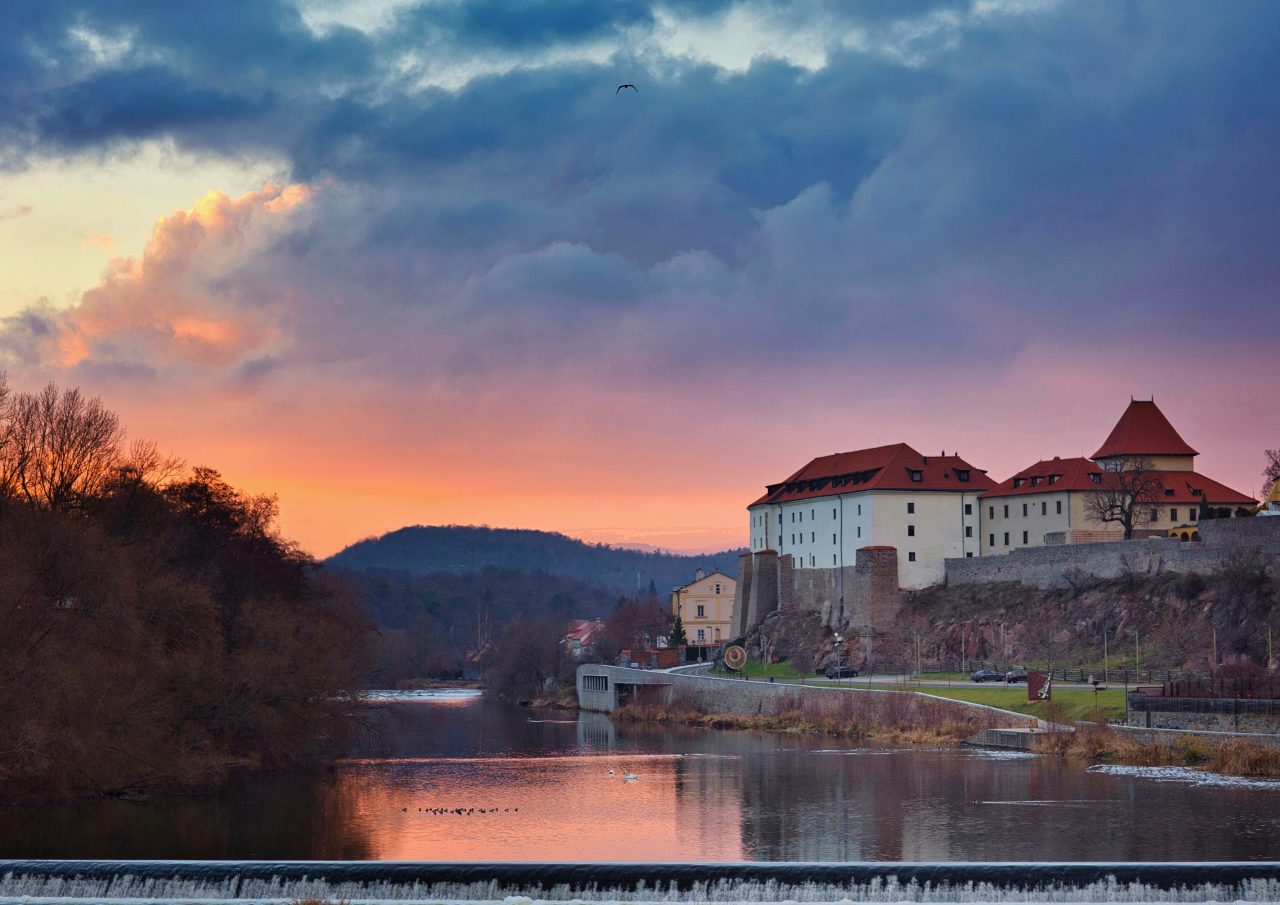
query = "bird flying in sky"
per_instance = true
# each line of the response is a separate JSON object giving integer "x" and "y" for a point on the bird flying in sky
{"x": 628, "y": 85}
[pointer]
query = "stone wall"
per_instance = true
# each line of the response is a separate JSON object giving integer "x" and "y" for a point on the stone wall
{"x": 861, "y": 599}
{"x": 1055, "y": 566}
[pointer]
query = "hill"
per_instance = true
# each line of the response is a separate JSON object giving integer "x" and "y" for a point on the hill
{"x": 424, "y": 550}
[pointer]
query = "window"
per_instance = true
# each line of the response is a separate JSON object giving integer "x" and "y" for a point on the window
{"x": 811, "y": 560}
{"x": 859, "y": 509}
{"x": 793, "y": 539}
{"x": 911, "y": 556}
{"x": 802, "y": 516}
{"x": 1044, "y": 507}
{"x": 962, "y": 474}
{"x": 793, "y": 518}
{"x": 1059, "y": 504}
{"x": 1017, "y": 482}
{"x": 991, "y": 540}
{"x": 1006, "y": 510}
{"x": 813, "y": 536}
{"x": 813, "y": 514}
{"x": 1155, "y": 515}
{"x": 1095, "y": 476}
{"x": 1053, "y": 478}
{"x": 717, "y": 590}
{"x": 702, "y": 634}
{"x": 911, "y": 530}
{"x": 833, "y": 539}
{"x": 702, "y": 611}
{"x": 968, "y": 508}
{"x": 833, "y": 513}
{"x": 1035, "y": 481}
{"x": 1024, "y": 537}
{"x": 916, "y": 475}
{"x": 859, "y": 531}
{"x": 1024, "y": 510}
{"x": 779, "y": 519}
{"x": 911, "y": 508}
{"x": 1168, "y": 491}
{"x": 1173, "y": 515}
{"x": 969, "y": 555}
{"x": 833, "y": 559}
{"x": 1006, "y": 538}
{"x": 1191, "y": 515}
{"x": 991, "y": 512}
{"x": 968, "y": 530}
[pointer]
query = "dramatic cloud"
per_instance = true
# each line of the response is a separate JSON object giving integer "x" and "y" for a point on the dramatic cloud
{"x": 814, "y": 225}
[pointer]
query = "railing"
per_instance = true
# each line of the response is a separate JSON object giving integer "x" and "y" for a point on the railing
{"x": 1145, "y": 703}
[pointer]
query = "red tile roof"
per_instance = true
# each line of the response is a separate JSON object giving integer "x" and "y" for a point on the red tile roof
{"x": 880, "y": 468}
{"x": 1181, "y": 487}
{"x": 1143, "y": 430}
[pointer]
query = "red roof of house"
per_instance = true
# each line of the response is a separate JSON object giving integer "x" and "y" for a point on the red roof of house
{"x": 880, "y": 468}
{"x": 584, "y": 631}
{"x": 1182, "y": 487}
{"x": 1143, "y": 430}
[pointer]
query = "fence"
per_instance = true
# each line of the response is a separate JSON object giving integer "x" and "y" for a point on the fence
{"x": 1148, "y": 703}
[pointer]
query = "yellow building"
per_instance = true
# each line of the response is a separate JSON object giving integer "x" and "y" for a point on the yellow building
{"x": 705, "y": 606}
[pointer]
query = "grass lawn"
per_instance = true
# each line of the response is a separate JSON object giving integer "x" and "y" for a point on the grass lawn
{"x": 757, "y": 670}
{"x": 1074, "y": 703}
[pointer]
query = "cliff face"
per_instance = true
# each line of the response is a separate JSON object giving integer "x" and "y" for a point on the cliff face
{"x": 1175, "y": 619}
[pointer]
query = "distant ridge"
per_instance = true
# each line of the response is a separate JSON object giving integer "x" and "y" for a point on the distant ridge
{"x": 424, "y": 549}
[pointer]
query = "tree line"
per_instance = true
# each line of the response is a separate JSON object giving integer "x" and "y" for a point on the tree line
{"x": 157, "y": 627}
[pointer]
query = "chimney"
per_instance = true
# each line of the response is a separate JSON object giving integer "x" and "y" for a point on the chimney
{"x": 699, "y": 575}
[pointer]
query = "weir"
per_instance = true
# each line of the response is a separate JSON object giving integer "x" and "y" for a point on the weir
{"x": 357, "y": 882}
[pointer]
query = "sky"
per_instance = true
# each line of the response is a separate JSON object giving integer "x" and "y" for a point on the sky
{"x": 410, "y": 262}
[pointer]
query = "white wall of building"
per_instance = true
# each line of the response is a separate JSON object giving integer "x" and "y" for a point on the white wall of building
{"x": 825, "y": 532}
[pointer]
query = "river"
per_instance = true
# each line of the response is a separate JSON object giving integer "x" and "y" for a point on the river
{"x": 552, "y": 786}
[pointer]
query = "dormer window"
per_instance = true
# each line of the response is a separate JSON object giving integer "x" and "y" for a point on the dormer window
{"x": 1053, "y": 478}
{"x": 1096, "y": 477}
{"x": 1168, "y": 491}
{"x": 1035, "y": 481}
{"x": 1017, "y": 482}
{"x": 916, "y": 475}
{"x": 962, "y": 474}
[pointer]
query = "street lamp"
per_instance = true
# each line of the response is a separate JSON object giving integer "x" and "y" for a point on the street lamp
{"x": 839, "y": 651}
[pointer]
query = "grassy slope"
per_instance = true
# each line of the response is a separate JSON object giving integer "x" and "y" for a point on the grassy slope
{"x": 1071, "y": 703}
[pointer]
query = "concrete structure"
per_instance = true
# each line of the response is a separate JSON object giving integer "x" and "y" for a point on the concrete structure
{"x": 605, "y": 688}
{"x": 705, "y": 606}
{"x": 1057, "y": 566}
{"x": 835, "y": 506}
{"x": 1046, "y": 503}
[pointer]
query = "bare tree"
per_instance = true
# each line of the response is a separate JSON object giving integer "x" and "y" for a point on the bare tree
{"x": 1270, "y": 474}
{"x": 1129, "y": 487}
{"x": 59, "y": 447}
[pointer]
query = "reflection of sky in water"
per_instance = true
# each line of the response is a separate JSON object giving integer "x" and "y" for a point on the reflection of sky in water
{"x": 698, "y": 795}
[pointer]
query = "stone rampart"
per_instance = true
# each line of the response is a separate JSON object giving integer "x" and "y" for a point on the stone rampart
{"x": 1058, "y": 566}
{"x": 863, "y": 598}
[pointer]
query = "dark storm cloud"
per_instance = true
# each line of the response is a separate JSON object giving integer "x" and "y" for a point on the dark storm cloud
{"x": 951, "y": 183}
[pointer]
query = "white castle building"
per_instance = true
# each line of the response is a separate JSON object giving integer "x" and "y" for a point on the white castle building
{"x": 925, "y": 506}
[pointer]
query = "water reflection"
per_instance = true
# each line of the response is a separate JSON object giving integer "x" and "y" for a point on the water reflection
{"x": 537, "y": 786}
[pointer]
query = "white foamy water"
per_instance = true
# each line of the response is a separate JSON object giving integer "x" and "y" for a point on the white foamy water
{"x": 1187, "y": 775}
{"x": 422, "y": 694}
{"x": 127, "y": 890}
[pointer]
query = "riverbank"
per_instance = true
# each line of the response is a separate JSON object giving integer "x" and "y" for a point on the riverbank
{"x": 1101, "y": 744}
{"x": 894, "y": 726}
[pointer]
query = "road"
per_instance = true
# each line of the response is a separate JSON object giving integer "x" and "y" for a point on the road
{"x": 880, "y": 681}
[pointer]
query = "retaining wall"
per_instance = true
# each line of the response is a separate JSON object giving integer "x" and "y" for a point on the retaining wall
{"x": 752, "y": 697}
{"x": 1052, "y": 566}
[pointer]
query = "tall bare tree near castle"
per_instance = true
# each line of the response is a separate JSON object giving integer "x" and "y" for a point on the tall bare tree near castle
{"x": 1130, "y": 486}
{"x": 1271, "y": 473}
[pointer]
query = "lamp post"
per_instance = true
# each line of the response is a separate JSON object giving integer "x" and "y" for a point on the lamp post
{"x": 839, "y": 651}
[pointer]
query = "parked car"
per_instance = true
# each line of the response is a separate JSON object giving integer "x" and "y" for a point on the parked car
{"x": 841, "y": 672}
{"x": 987, "y": 675}
{"x": 1017, "y": 674}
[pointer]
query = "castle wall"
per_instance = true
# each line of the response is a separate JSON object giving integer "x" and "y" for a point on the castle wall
{"x": 1054, "y": 566}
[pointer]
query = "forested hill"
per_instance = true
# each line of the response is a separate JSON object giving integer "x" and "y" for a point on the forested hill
{"x": 460, "y": 548}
